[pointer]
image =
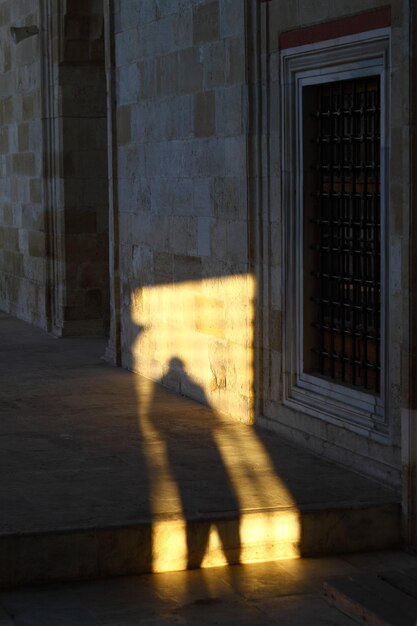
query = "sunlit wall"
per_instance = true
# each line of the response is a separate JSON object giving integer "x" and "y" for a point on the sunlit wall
{"x": 196, "y": 337}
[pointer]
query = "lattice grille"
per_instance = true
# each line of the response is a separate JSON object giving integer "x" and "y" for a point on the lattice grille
{"x": 342, "y": 227}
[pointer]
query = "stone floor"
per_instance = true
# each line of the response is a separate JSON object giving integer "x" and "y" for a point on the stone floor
{"x": 89, "y": 446}
{"x": 288, "y": 593}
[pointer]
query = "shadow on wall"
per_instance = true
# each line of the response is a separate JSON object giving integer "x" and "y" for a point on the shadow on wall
{"x": 209, "y": 468}
{"x": 213, "y": 489}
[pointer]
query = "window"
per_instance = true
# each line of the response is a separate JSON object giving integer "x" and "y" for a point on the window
{"x": 341, "y": 201}
{"x": 334, "y": 202}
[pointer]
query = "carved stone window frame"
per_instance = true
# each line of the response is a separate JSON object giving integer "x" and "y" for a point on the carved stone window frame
{"x": 348, "y": 57}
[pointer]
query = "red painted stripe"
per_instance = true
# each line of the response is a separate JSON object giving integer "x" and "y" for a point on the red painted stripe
{"x": 380, "y": 18}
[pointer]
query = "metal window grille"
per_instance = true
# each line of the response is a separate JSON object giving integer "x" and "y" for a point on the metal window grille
{"x": 342, "y": 226}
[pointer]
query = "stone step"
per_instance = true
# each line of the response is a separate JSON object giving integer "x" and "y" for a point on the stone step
{"x": 169, "y": 543}
{"x": 105, "y": 473}
{"x": 383, "y": 600}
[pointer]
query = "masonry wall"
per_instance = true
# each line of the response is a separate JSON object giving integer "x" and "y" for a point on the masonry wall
{"x": 53, "y": 166}
{"x": 199, "y": 198}
{"x": 85, "y": 179}
{"x": 22, "y": 219}
{"x": 342, "y": 444}
{"x": 186, "y": 292}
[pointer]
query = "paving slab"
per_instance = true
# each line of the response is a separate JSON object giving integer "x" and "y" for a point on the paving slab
{"x": 405, "y": 580}
{"x": 370, "y": 600}
{"x": 251, "y": 595}
{"x": 288, "y": 593}
{"x": 107, "y": 473}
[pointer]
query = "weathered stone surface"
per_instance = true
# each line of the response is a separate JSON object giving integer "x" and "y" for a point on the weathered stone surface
{"x": 204, "y": 114}
{"x": 163, "y": 483}
{"x": 198, "y": 195}
{"x": 368, "y": 599}
{"x": 206, "y": 22}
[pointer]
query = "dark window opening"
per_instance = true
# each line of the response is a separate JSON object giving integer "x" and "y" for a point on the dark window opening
{"x": 342, "y": 231}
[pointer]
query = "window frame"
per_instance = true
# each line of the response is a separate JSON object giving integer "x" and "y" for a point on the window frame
{"x": 349, "y": 57}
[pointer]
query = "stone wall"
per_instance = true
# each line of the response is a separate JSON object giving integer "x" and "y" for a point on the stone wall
{"x": 53, "y": 166}
{"x": 198, "y": 170}
{"x": 22, "y": 218}
{"x": 85, "y": 179}
{"x": 187, "y": 295}
{"x": 345, "y": 445}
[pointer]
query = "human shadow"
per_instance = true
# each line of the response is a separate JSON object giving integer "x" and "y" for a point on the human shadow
{"x": 208, "y": 499}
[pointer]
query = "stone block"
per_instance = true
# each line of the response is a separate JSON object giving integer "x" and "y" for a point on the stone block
{"x": 6, "y": 82}
{"x": 86, "y": 247}
{"x": 29, "y": 106}
{"x": 8, "y": 215}
{"x": 172, "y": 196}
{"x": 97, "y": 50}
{"x": 93, "y": 303}
{"x": 232, "y": 18}
{"x": 130, "y": 14}
{"x": 5, "y": 12}
{"x": 79, "y": 26}
{"x": 235, "y": 67}
{"x": 237, "y": 246}
{"x": 230, "y": 198}
{"x": 4, "y": 140}
{"x": 91, "y": 275}
{"x": 186, "y": 268}
{"x": 207, "y": 157}
{"x": 19, "y": 189}
{"x": 203, "y": 197}
{"x": 275, "y": 330}
{"x": 206, "y": 22}
{"x": 32, "y": 219}
{"x": 204, "y": 114}
{"x": 12, "y": 263}
{"x": 126, "y": 47}
{"x": 77, "y": 51}
{"x": 128, "y": 83}
{"x": 37, "y": 243}
{"x": 124, "y": 124}
{"x": 88, "y": 133}
{"x": 178, "y": 122}
{"x": 164, "y": 158}
{"x": 183, "y": 235}
{"x": 35, "y": 189}
{"x": 26, "y": 52}
{"x": 204, "y": 236}
{"x": 21, "y": 7}
{"x": 229, "y": 111}
{"x": 131, "y": 159}
{"x": 142, "y": 264}
{"x": 35, "y": 269}
{"x": 147, "y": 79}
{"x": 23, "y": 137}
{"x": 214, "y": 61}
{"x": 83, "y": 100}
{"x": 235, "y": 156}
{"x": 10, "y": 237}
{"x": 27, "y": 77}
{"x": 87, "y": 7}
{"x": 80, "y": 221}
{"x": 190, "y": 71}
{"x": 209, "y": 316}
{"x": 167, "y": 74}
{"x": 182, "y": 197}
{"x": 219, "y": 240}
{"x": 7, "y": 110}
{"x": 24, "y": 163}
{"x": 5, "y": 58}
{"x": 163, "y": 268}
